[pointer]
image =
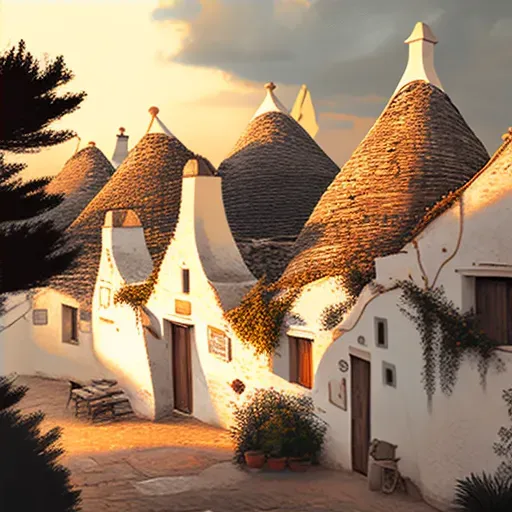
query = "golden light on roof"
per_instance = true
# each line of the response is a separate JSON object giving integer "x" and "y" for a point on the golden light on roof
{"x": 507, "y": 135}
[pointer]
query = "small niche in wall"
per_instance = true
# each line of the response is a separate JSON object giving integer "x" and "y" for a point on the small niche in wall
{"x": 185, "y": 280}
{"x": 389, "y": 374}
{"x": 381, "y": 332}
{"x": 40, "y": 317}
{"x": 104, "y": 297}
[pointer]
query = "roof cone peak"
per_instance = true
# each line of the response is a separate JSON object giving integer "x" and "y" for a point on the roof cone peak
{"x": 420, "y": 65}
{"x": 121, "y": 148}
{"x": 270, "y": 103}
{"x": 157, "y": 127}
{"x": 421, "y": 32}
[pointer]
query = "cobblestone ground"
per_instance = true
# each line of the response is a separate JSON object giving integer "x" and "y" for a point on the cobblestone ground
{"x": 181, "y": 464}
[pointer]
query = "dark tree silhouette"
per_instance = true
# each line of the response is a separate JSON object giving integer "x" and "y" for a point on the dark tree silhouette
{"x": 30, "y": 476}
{"x": 31, "y": 251}
{"x": 29, "y": 102}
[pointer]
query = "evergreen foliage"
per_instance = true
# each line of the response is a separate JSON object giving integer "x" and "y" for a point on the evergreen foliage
{"x": 29, "y": 102}
{"x": 30, "y": 476}
{"x": 483, "y": 493}
{"x": 31, "y": 251}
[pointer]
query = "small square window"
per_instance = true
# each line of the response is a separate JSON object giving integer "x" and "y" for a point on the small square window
{"x": 40, "y": 317}
{"x": 381, "y": 332}
{"x": 389, "y": 374}
{"x": 185, "y": 280}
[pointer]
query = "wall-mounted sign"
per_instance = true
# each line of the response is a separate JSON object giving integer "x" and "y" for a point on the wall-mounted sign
{"x": 338, "y": 393}
{"x": 182, "y": 307}
{"x": 40, "y": 317}
{"x": 361, "y": 340}
{"x": 343, "y": 365}
{"x": 219, "y": 344}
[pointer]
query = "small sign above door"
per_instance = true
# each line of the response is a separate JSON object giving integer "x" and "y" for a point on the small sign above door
{"x": 219, "y": 344}
{"x": 182, "y": 307}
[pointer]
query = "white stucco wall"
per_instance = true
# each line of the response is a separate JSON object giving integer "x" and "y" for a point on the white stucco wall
{"x": 456, "y": 437}
{"x": 30, "y": 349}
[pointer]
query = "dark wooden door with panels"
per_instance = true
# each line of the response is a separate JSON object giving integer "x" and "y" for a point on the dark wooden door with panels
{"x": 360, "y": 412}
{"x": 179, "y": 337}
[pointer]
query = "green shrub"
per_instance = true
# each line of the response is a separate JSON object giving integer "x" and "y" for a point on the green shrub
{"x": 30, "y": 476}
{"x": 280, "y": 424}
{"x": 483, "y": 494}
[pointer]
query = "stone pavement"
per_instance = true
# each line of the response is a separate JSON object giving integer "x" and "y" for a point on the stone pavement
{"x": 183, "y": 465}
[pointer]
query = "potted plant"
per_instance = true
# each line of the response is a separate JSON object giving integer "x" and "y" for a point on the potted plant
{"x": 255, "y": 459}
{"x": 273, "y": 445}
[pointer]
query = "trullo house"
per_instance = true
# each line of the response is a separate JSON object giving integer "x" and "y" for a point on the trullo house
{"x": 430, "y": 388}
{"x": 33, "y": 342}
{"x": 419, "y": 149}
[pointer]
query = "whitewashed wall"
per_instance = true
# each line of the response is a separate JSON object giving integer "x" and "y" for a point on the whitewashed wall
{"x": 456, "y": 437}
{"x": 29, "y": 349}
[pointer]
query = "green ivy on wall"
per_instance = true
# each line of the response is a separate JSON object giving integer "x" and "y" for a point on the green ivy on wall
{"x": 446, "y": 336}
{"x": 136, "y": 295}
{"x": 354, "y": 278}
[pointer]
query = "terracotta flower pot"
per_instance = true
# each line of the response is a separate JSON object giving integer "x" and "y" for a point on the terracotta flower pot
{"x": 254, "y": 459}
{"x": 298, "y": 464}
{"x": 276, "y": 463}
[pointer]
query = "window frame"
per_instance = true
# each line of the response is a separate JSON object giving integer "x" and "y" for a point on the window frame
{"x": 73, "y": 339}
{"x": 185, "y": 281}
{"x": 295, "y": 362}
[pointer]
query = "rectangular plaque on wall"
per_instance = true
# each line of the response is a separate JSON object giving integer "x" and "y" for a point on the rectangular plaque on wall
{"x": 40, "y": 317}
{"x": 219, "y": 344}
{"x": 182, "y": 307}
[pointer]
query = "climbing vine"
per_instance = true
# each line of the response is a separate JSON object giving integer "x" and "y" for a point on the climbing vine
{"x": 258, "y": 319}
{"x": 446, "y": 335}
{"x": 136, "y": 295}
{"x": 352, "y": 281}
{"x": 503, "y": 448}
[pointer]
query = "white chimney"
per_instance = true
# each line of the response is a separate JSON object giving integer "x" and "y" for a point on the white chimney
{"x": 421, "y": 57}
{"x": 121, "y": 150}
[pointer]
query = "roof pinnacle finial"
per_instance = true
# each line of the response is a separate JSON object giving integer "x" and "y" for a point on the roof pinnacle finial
{"x": 270, "y": 103}
{"x": 154, "y": 111}
{"x": 508, "y": 135}
{"x": 121, "y": 130}
{"x": 270, "y": 86}
{"x": 420, "y": 65}
{"x": 92, "y": 143}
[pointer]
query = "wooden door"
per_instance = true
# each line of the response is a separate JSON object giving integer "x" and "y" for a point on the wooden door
{"x": 182, "y": 368}
{"x": 360, "y": 411}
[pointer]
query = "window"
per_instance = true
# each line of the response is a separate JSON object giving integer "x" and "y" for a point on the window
{"x": 301, "y": 362}
{"x": 493, "y": 303}
{"x": 381, "y": 332}
{"x": 69, "y": 325}
{"x": 185, "y": 280}
{"x": 389, "y": 374}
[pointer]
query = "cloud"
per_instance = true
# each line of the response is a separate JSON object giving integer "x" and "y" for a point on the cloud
{"x": 181, "y": 10}
{"x": 345, "y": 49}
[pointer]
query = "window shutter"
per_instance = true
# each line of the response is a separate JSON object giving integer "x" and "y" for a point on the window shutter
{"x": 293, "y": 360}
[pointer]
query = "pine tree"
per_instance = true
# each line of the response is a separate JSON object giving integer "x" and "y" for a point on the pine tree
{"x": 30, "y": 477}
{"x": 29, "y": 102}
{"x": 33, "y": 251}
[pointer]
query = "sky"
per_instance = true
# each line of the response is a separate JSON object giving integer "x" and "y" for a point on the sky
{"x": 204, "y": 63}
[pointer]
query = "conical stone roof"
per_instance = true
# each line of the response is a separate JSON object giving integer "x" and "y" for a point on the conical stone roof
{"x": 271, "y": 182}
{"x": 419, "y": 150}
{"x": 81, "y": 178}
{"x": 148, "y": 182}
